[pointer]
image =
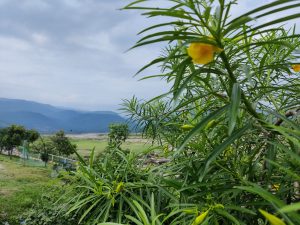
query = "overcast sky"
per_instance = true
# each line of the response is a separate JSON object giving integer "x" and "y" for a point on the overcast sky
{"x": 71, "y": 53}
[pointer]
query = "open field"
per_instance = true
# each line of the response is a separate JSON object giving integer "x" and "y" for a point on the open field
{"x": 20, "y": 186}
{"x": 85, "y": 146}
{"x": 85, "y": 143}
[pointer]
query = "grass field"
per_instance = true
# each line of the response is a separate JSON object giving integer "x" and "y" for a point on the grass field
{"x": 85, "y": 146}
{"x": 20, "y": 186}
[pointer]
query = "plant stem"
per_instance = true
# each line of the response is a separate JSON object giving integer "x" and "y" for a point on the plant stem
{"x": 232, "y": 81}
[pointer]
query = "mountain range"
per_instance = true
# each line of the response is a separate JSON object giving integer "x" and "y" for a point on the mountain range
{"x": 48, "y": 119}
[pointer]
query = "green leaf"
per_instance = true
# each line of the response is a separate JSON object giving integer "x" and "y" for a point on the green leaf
{"x": 278, "y": 10}
{"x": 141, "y": 212}
{"x": 177, "y": 23}
{"x": 290, "y": 208}
{"x": 237, "y": 24}
{"x": 254, "y": 188}
{"x": 155, "y": 61}
{"x": 200, "y": 126}
{"x": 133, "y": 3}
{"x": 280, "y": 20}
{"x": 216, "y": 152}
{"x": 92, "y": 157}
{"x": 261, "y": 8}
{"x": 228, "y": 216}
{"x": 234, "y": 107}
{"x": 136, "y": 221}
{"x": 175, "y": 34}
{"x": 175, "y": 13}
{"x": 107, "y": 223}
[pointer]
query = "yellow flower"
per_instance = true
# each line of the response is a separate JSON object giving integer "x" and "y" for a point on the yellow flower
{"x": 202, "y": 53}
{"x": 200, "y": 218}
{"x": 274, "y": 220}
{"x": 296, "y": 67}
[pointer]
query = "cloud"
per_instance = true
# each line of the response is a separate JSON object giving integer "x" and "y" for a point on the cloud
{"x": 72, "y": 52}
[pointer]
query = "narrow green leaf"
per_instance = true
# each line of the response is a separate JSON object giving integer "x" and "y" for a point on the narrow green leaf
{"x": 280, "y": 20}
{"x": 278, "y": 10}
{"x": 163, "y": 33}
{"x": 108, "y": 223}
{"x": 133, "y": 3}
{"x": 290, "y": 208}
{"x": 200, "y": 126}
{"x": 237, "y": 24}
{"x": 177, "y": 23}
{"x": 134, "y": 220}
{"x": 228, "y": 216}
{"x": 216, "y": 152}
{"x": 92, "y": 157}
{"x": 180, "y": 69}
{"x": 153, "y": 62}
{"x": 175, "y": 13}
{"x": 141, "y": 212}
{"x": 261, "y": 8}
{"x": 254, "y": 188}
{"x": 234, "y": 107}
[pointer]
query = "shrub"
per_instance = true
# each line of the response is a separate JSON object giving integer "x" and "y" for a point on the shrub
{"x": 231, "y": 119}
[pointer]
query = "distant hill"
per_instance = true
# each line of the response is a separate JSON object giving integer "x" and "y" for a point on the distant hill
{"x": 48, "y": 119}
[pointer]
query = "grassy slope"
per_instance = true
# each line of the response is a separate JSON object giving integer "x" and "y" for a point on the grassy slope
{"x": 20, "y": 186}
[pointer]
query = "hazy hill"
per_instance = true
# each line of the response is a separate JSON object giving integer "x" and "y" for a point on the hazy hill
{"x": 47, "y": 119}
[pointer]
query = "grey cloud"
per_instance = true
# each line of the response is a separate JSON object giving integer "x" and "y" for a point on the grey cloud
{"x": 71, "y": 52}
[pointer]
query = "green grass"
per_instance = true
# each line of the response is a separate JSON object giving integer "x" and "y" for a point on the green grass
{"x": 85, "y": 146}
{"x": 20, "y": 186}
{"x": 23, "y": 185}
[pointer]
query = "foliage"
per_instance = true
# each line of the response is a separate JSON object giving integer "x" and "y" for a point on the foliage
{"x": 32, "y": 135}
{"x": 107, "y": 186}
{"x": 148, "y": 116}
{"x": 118, "y": 133}
{"x": 240, "y": 102}
{"x": 62, "y": 144}
{"x": 46, "y": 212}
{"x": 14, "y": 135}
{"x": 230, "y": 123}
{"x": 44, "y": 146}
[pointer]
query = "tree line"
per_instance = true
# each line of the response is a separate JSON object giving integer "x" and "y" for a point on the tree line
{"x": 13, "y": 136}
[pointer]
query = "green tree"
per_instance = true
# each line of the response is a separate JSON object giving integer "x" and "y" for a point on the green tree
{"x": 118, "y": 133}
{"x": 32, "y": 135}
{"x": 44, "y": 146}
{"x": 12, "y": 137}
{"x": 62, "y": 144}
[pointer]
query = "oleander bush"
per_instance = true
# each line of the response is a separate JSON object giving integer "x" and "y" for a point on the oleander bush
{"x": 228, "y": 129}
